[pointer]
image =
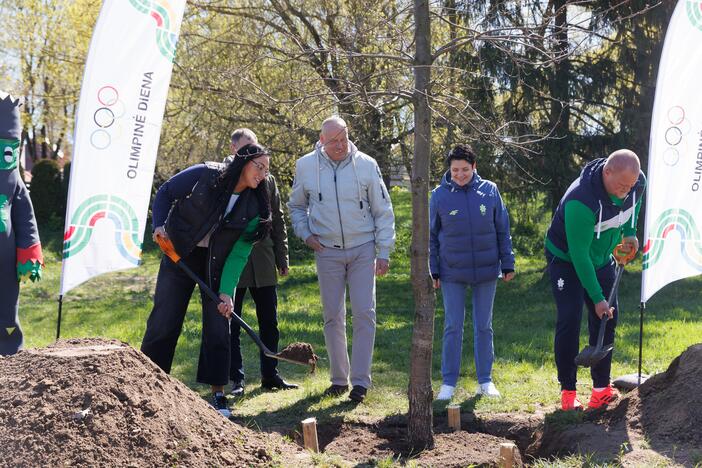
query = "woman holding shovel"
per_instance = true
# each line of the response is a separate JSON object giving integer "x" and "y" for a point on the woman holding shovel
{"x": 470, "y": 245}
{"x": 212, "y": 214}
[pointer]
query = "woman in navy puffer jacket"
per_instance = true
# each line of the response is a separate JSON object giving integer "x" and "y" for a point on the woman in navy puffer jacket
{"x": 470, "y": 245}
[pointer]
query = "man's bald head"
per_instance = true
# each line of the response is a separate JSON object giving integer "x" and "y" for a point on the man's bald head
{"x": 623, "y": 160}
{"x": 333, "y": 123}
{"x": 334, "y": 137}
{"x": 621, "y": 172}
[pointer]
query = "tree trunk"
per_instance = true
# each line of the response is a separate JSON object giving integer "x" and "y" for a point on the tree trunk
{"x": 559, "y": 147}
{"x": 420, "y": 430}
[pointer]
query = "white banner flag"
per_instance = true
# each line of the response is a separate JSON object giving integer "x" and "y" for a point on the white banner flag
{"x": 672, "y": 242}
{"x": 118, "y": 125}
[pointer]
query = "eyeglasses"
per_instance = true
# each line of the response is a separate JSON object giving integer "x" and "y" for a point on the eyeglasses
{"x": 260, "y": 167}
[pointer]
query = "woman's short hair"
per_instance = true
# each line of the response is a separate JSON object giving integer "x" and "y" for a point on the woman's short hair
{"x": 461, "y": 152}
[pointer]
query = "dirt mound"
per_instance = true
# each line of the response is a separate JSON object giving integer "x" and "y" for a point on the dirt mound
{"x": 367, "y": 444}
{"x": 660, "y": 418}
{"x": 668, "y": 406}
{"x": 98, "y": 402}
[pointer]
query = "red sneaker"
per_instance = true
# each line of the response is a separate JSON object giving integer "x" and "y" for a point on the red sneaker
{"x": 603, "y": 398}
{"x": 569, "y": 400}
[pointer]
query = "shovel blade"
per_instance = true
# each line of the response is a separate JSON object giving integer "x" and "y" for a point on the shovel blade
{"x": 591, "y": 355}
{"x": 584, "y": 358}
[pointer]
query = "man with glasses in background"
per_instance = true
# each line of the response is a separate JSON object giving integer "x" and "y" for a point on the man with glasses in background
{"x": 340, "y": 207}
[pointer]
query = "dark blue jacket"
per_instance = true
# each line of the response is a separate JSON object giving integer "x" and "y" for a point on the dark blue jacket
{"x": 611, "y": 220}
{"x": 194, "y": 201}
{"x": 469, "y": 232}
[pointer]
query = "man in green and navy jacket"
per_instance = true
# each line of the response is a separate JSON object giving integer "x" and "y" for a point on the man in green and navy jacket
{"x": 598, "y": 211}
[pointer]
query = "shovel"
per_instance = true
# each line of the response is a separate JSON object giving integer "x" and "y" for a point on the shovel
{"x": 297, "y": 353}
{"x": 591, "y": 355}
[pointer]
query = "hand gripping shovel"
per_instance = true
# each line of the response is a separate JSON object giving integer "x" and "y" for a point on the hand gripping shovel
{"x": 591, "y": 355}
{"x": 297, "y": 353}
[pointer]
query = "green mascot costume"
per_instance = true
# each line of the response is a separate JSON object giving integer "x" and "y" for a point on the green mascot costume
{"x": 20, "y": 250}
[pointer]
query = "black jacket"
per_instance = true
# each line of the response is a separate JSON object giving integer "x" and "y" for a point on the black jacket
{"x": 200, "y": 211}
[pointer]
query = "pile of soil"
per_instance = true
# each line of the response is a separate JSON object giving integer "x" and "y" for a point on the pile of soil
{"x": 99, "y": 402}
{"x": 659, "y": 419}
{"x": 367, "y": 444}
{"x": 94, "y": 402}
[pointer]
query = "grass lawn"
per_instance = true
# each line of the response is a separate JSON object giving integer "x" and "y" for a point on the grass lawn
{"x": 117, "y": 306}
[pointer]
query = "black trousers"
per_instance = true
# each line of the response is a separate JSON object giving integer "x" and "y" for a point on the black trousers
{"x": 570, "y": 297}
{"x": 266, "y": 300}
{"x": 173, "y": 291}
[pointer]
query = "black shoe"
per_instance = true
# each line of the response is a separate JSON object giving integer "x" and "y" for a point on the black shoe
{"x": 336, "y": 390}
{"x": 277, "y": 382}
{"x": 219, "y": 402}
{"x": 358, "y": 393}
{"x": 237, "y": 389}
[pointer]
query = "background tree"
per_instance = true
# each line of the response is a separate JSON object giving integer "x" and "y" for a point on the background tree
{"x": 420, "y": 428}
{"x": 44, "y": 48}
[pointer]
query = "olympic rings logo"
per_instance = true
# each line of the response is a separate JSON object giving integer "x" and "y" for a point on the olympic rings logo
{"x": 104, "y": 117}
{"x": 679, "y": 127}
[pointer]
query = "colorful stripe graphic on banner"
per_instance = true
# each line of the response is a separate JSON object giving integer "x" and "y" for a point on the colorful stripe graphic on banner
{"x": 682, "y": 222}
{"x": 694, "y": 12}
{"x": 114, "y": 209}
{"x": 166, "y": 38}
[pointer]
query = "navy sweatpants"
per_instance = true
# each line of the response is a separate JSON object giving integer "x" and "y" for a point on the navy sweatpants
{"x": 570, "y": 297}
{"x": 173, "y": 291}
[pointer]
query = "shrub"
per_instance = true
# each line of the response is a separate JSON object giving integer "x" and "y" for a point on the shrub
{"x": 47, "y": 194}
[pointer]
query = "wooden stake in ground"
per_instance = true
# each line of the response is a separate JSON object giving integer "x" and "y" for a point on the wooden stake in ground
{"x": 454, "y": 417}
{"x": 309, "y": 434}
{"x": 507, "y": 455}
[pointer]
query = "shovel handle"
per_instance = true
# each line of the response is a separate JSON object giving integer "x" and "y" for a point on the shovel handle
{"x": 622, "y": 257}
{"x": 167, "y": 247}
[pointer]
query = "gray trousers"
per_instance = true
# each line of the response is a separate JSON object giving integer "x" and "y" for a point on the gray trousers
{"x": 335, "y": 269}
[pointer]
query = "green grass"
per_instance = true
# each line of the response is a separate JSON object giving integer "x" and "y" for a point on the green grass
{"x": 117, "y": 306}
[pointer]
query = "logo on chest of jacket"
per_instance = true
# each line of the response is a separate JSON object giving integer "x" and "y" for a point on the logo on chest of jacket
{"x": 483, "y": 209}
{"x": 453, "y": 212}
{"x": 560, "y": 283}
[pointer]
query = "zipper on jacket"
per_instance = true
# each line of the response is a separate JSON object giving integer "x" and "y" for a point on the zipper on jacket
{"x": 470, "y": 229}
{"x": 209, "y": 259}
{"x": 209, "y": 250}
{"x": 338, "y": 209}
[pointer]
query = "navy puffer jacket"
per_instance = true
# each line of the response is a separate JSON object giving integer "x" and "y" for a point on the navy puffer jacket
{"x": 469, "y": 239}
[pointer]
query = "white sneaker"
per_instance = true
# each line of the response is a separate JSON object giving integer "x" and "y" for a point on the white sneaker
{"x": 488, "y": 389}
{"x": 445, "y": 392}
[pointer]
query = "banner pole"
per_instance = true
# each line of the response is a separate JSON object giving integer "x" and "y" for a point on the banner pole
{"x": 641, "y": 318}
{"x": 58, "y": 322}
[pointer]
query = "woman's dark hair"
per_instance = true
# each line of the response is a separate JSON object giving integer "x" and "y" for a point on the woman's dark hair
{"x": 230, "y": 176}
{"x": 461, "y": 152}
